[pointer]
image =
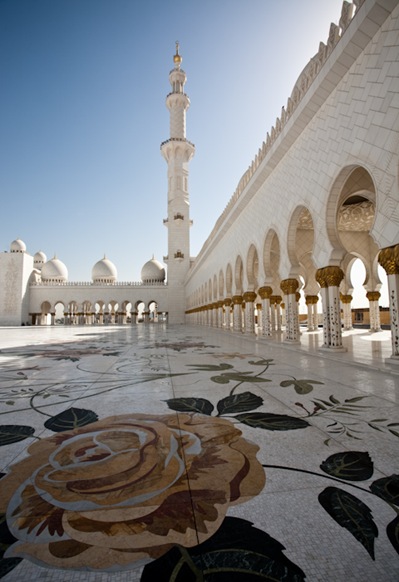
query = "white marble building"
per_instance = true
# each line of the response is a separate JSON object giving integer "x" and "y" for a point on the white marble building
{"x": 321, "y": 192}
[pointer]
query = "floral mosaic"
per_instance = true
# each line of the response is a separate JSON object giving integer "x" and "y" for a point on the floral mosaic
{"x": 155, "y": 490}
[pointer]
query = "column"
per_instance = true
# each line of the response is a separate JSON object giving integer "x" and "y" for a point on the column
{"x": 237, "y": 313}
{"x": 329, "y": 279}
{"x": 374, "y": 308}
{"x": 258, "y": 321}
{"x": 389, "y": 260}
{"x": 227, "y": 313}
{"x": 220, "y": 314}
{"x": 278, "y": 312}
{"x": 273, "y": 299}
{"x": 311, "y": 302}
{"x": 289, "y": 288}
{"x": 249, "y": 298}
{"x": 346, "y": 301}
{"x": 265, "y": 294}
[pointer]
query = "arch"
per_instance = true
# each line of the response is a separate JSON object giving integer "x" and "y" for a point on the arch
{"x": 215, "y": 287}
{"x": 229, "y": 280}
{"x": 352, "y": 187}
{"x": 221, "y": 284}
{"x": 252, "y": 268}
{"x": 271, "y": 259}
{"x": 238, "y": 275}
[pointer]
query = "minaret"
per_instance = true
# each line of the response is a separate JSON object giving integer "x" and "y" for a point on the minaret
{"x": 177, "y": 151}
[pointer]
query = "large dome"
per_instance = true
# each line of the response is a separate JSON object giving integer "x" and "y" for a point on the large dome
{"x": 104, "y": 271}
{"x": 153, "y": 271}
{"x": 18, "y": 246}
{"x": 54, "y": 271}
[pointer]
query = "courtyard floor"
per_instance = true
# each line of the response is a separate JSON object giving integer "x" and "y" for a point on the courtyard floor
{"x": 158, "y": 453}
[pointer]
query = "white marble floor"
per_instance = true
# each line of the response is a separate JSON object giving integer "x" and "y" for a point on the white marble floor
{"x": 187, "y": 453}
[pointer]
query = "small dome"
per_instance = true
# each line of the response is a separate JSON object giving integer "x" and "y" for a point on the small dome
{"x": 54, "y": 271}
{"x": 104, "y": 271}
{"x": 153, "y": 271}
{"x": 39, "y": 259}
{"x": 18, "y": 246}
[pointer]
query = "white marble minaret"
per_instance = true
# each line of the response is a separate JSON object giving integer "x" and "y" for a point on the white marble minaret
{"x": 177, "y": 151}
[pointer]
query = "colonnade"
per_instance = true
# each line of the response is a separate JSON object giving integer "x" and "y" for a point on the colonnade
{"x": 264, "y": 313}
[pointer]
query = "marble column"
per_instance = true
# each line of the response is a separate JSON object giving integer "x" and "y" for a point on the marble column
{"x": 374, "y": 310}
{"x": 249, "y": 313}
{"x": 220, "y": 314}
{"x": 389, "y": 260}
{"x": 227, "y": 313}
{"x": 329, "y": 279}
{"x": 265, "y": 294}
{"x": 289, "y": 288}
{"x": 237, "y": 313}
{"x": 311, "y": 302}
{"x": 346, "y": 301}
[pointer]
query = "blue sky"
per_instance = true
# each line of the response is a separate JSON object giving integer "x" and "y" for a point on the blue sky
{"x": 82, "y": 116}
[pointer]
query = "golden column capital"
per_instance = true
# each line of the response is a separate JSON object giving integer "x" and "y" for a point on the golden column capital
{"x": 297, "y": 296}
{"x": 334, "y": 276}
{"x": 227, "y": 301}
{"x": 282, "y": 305}
{"x": 289, "y": 286}
{"x": 265, "y": 292}
{"x": 329, "y": 276}
{"x": 389, "y": 260}
{"x": 220, "y": 303}
{"x": 321, "y": 278}
{"x": 373, "y": 295}
{"x": 346, "y": 299}
{"x": 237, "y": 299}
{"x": 259, "y": 306}
{"x": 311, "y": 299}
{"x": 249, "y": 296}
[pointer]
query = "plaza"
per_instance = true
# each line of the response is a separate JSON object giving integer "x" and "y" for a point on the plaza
{"x": 312, "y": 425}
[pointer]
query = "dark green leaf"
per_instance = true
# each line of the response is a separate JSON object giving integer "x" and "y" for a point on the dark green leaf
{"x": 260, "y": 362}
{"x": 239, "y": 403}
{"x": 210, "y": 367}
{"x": 200, "y": 405}
{"x": 301, "y": 386}
{"x": 10, "y": 402}
{"x": 238, "y": 377}
{"x": 393, "y": 533}
{"x": 351, "y": 514}
{"x": 350, "y": 465}
{"x": 7, "y": 539}
{"x": 237, "y": 552}
{"x": 387, "y": 488}
{"x": 220, "y": 380}
{"x": 13, "y": 433}
{"x": 334, "y": 400}
{"x": 269, "y": 421}
{"x": 70, "y": 419}
{"x": 111, "y": 353}
{"x": 355, "y": 399}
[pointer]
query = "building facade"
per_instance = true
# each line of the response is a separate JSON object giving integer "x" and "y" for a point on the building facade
{"x": 321, "y": 192}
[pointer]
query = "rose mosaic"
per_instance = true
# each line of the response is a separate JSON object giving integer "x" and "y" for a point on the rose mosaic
{"x": 160, "y": 491}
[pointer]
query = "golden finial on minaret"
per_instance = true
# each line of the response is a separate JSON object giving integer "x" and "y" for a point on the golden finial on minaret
{"x": 177, "y": 59}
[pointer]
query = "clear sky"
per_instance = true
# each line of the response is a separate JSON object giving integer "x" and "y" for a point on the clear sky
{"x": 82, "y": 115}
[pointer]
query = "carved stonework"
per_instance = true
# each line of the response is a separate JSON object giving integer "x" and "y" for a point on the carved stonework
{"x": 359, "y": 217}
{"x": 305, "y": 220}
{"x": 345, "y": 299}
{"x": 388, "y": 259}
{"x": 334, "y": 276}
{"x": 311, "y": 299}
{"x": 289, "y": 286}
{"x": 249, "y": 296}
{"x": 265, "y": 292}
{"x": 237, "y": 299}
{"x": 373, "y": 295}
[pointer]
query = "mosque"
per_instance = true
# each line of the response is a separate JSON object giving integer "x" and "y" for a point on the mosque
{"x": 321, "y": 192}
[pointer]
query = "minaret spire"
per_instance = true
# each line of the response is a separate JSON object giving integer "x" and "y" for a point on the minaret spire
{"x": 177, "y": 151}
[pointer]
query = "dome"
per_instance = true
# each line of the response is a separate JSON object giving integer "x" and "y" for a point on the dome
{"x": 54, "y": 271}
{"x": 153, "y": 271}
{"x": 18, "y": 246}
{"x": 39, "y": 259}
{"x": 104, "y": 271}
